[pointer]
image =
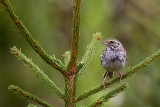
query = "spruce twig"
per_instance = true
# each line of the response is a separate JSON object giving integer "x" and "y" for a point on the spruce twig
{"x": 89, "y": 53}
{"x": 31, "y": 105}
{"x": 39, "y": 73}
{"x": 130, "y": 72}
{"x": 75, "y": 32}
{"x": 108, "y": 96}
{"x": 28, "y": 95}
{"x": 52, "y": 61}
{"x": 67, "y": 58}
{"x": 70, "y": 86}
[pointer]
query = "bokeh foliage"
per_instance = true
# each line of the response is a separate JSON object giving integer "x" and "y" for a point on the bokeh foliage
{"x": 134, "y": 22}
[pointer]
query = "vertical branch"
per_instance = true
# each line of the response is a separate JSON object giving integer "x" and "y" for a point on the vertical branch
{"x": 75, "y": 33}
{"x": 70, "y": 91}
{"x": 70, "y": 81}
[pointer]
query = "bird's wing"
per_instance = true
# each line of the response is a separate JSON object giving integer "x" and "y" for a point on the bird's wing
{"x": 103, "y": 55}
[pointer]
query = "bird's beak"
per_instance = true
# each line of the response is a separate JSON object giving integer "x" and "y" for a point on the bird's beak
{"x": 105, "y": 43}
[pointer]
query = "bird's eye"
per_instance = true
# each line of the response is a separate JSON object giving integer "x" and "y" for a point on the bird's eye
{"x": 111, "y": 42}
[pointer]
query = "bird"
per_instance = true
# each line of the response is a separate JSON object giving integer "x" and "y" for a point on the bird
{"x": 113, "y": 58}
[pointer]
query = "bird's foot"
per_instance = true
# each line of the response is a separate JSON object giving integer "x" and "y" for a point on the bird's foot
{"x": 120, "y": 76}
{"x": 105, "y": 75}
{"x": 104, "y": 84}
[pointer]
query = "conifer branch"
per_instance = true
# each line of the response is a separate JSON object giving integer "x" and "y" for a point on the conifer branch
{"x": 52, "y": 61}
{"x": 28, "y": 95}
{"x": 31, "y": 105}
{"x": 75, "y": 32}
{"x": 39, "y": 73}
{"x": 70, "y": 88}
{"x": 108, "y": 96}
{"x": 67, "y": 58}
{"x": 89, "y": 53}
{"x": 130, "y": 72}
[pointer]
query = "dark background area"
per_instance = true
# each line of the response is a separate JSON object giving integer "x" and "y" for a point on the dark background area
{"x": 136, "y": 23}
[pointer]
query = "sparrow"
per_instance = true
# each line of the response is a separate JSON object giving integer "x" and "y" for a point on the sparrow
{"x": 113, "y": 58}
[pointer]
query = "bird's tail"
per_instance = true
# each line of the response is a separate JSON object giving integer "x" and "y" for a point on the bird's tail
{"x": 108, "y": 74}
{"x": 105, "y": 75}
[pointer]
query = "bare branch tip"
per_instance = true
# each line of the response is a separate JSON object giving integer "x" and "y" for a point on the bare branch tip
{"x": 66, "y": 54}
{"x": 14, "y": 51}
{"x": 14, "y": 48}
{"x": 10, "y": 87}
{"x": 97, "y": 36}
{"x": 125, "y": 86}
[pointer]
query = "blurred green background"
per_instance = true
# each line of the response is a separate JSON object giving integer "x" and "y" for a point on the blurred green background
{"x": 136, "y": 23}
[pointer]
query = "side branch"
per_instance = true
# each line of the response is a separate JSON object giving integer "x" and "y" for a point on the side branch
{"x": 38, "y": 72}
{"x": 75, "y": 32}
{"x": 130, "y": 71}
{"x": 52, "y": 61}
{"x": 108, "y": 96}
{"x": 28, "y": 95}
{"x": 89, "y": 53}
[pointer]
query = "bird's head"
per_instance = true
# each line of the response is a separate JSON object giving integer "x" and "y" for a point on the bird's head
{"x": 112, "y": 43}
